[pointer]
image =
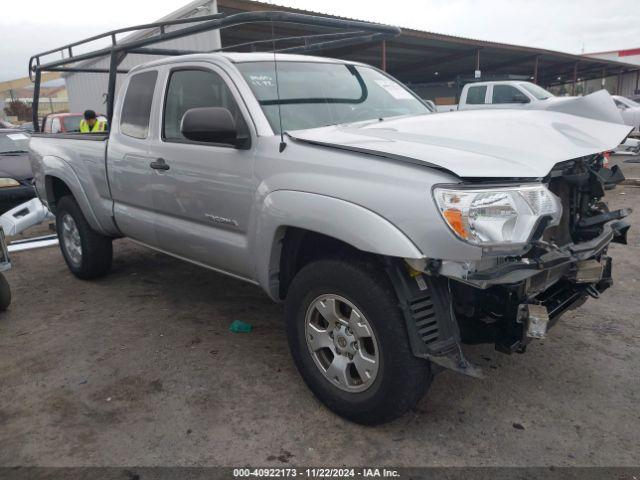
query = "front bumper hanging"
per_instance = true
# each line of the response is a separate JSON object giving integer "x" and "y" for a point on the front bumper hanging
{"x": 524, "y": 310}
{"x": 430, "y": 320}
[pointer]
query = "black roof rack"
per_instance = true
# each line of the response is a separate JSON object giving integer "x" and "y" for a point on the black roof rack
{"x": 351, "y": 32}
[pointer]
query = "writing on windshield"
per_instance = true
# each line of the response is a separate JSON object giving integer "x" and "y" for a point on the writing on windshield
{"x": 315, "y": 94}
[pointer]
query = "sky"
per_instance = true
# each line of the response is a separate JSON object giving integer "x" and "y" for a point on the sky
{"x": 565, "y": 25}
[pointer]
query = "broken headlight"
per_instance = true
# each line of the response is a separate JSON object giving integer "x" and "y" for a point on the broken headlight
{"x": 497, "y": 216}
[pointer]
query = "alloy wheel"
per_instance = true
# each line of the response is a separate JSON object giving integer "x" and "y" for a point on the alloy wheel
{"x": 342, "y": 343}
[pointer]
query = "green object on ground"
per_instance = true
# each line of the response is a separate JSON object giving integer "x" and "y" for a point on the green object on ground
{"x": 238, "y": 326}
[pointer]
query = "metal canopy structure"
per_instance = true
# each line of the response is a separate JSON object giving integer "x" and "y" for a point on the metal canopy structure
{"x": 311, "y": 38}
{"x": 420, "y": 57}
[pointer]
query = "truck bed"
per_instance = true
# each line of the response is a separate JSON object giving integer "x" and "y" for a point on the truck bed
{"x": 78, "y": 160}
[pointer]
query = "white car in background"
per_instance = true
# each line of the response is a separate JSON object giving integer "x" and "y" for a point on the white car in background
{"x": 513, "y": 94}
{"x": 521, "y": 95}
{"x": 629, "y": 110}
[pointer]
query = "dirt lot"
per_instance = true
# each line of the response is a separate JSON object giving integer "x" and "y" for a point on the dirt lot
{"x": 140, "y": 369}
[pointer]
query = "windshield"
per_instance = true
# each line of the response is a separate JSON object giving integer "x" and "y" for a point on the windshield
{"x": 13, "y": 142}
{"x": 72, "y": 123}
{"x": 319, "y": 94}
{"x": 538, "y": 92}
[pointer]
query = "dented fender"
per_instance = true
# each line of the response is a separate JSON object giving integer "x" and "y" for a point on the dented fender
{"x": 336, "y": 218}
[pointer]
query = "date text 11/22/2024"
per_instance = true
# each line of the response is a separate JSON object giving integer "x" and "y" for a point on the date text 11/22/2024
{"x": 315, "y": 473}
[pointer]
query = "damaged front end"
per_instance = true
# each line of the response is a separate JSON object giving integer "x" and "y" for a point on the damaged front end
{"x": 510, "y": 299}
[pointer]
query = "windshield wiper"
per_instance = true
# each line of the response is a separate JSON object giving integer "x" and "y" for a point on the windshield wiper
{"x": 14, "y": 151}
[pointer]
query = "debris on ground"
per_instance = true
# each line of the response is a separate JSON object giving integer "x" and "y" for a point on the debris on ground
{"x": 238, "y": 326}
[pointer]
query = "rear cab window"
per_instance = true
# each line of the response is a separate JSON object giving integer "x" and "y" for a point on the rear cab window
{"x": 476, "y": 95}
{"x": 136, "y": 109}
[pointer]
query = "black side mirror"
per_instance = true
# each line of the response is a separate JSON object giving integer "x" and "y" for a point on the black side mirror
{"x": 209, "y": 124}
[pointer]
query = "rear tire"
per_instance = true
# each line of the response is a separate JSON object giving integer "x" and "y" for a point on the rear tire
{"x": 87, "y": 253}
{"x": 322, "y": 350}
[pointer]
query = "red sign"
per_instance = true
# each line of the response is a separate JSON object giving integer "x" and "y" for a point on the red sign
{"x": 629, "y": 53}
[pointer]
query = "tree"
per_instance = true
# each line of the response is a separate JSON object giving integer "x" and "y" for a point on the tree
{"x": 19, "y": 109}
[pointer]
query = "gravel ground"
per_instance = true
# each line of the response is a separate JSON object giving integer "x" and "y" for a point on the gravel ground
{"x": 140, "y": 368}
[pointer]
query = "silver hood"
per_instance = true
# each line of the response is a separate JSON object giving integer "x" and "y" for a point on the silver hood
{"x": 598, "y": 106}
{"x": 477, "y": 143}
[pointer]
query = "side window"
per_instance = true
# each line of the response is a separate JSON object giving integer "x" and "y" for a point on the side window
{"x": 191, "y": 89}
{"x": 55, "y": 125}
{"x": 136, "y": 110}
{"x": 475, "y": 95}
{"x": 508, "y": 94}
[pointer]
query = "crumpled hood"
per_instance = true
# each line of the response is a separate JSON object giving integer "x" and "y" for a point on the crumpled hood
{"x": 598, "y": 106}
{"x": 477, "y": 143}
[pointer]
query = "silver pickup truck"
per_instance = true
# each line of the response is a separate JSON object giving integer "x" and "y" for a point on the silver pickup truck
{"x": 392, "y": 235}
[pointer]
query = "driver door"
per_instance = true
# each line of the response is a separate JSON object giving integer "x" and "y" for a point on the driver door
{"x": 204, "y": 193}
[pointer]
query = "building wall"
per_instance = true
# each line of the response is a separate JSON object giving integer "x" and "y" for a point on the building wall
{"x": 626, "y": 56}
{"x": 89, "y": 90}
{"x": 627, "y": 84}
{"x": 630, "y": 82}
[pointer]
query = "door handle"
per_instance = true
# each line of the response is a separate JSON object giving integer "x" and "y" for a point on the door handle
{"x": 159, "y": 164}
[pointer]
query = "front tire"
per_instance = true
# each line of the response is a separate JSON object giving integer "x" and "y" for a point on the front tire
{"x": 87, "y": 253}
{"x": 348, "y": 339}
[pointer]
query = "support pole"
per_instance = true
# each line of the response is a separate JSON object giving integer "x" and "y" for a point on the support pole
{"x": 384, "y": 56}
{"x": 478, "y": 59}
{"x": 36, "y": 101}
{"x": 637, "y": 82}
{"x": 619, "y": 85}
{"x": 115, "y": 60}
{"x": 575, "y": 79}
{"x": 535, "y": 69}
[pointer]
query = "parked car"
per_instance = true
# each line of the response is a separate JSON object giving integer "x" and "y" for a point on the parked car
{"x": 520, "y": 95}
{"x": 15, "y": 170}
{"x": 501, "y": 94}
{"x": 629, "y": 110}
{"x": 6, "y": 124}
{"x": 62, "y": 123}
{"x": 392, "y": 234}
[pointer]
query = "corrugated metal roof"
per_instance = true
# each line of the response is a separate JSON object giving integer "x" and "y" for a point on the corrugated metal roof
{"x": 418, "y": 33}
{"x": 419, "y": 54}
